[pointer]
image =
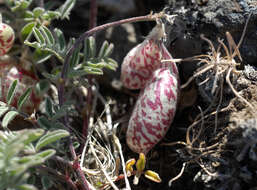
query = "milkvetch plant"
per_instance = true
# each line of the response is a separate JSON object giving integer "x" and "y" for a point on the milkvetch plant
{"x": 159, "y": 83}
{"x": 38, "y": 44}
{"x": 20, "y": 151}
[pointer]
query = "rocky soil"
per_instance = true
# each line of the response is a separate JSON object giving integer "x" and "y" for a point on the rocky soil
{"x": 212, "y": 136}
{"x": 212, "y": 143}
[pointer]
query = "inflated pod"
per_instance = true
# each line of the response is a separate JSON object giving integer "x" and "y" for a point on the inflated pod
{"x": 6, "y": 38}
{"x": 159, "y": 83}
{"x": 139, "y": 64}
{"x": 154, "y": 111}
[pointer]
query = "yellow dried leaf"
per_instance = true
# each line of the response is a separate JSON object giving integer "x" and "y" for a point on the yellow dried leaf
{"x": 129, "y": 166}
{"x": 153, "y": 176}
{"x": 140, "y": 165}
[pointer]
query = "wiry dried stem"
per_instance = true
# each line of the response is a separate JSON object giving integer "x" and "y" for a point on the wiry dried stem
{"x": 201, "y": 71}
{"x": 242, "y": 37}
{"x": 218, "y": 107}
{"x": 221, "y": 68}
{"x": 199, "y": 132}
{"x": 102, "y": 168}
{"x": 179, "y": 175}
{"x": 117, "y": 143}
{"x": 214, "y": 53}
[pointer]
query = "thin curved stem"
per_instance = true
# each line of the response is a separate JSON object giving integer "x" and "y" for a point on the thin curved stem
{"x": 150, "y": 17}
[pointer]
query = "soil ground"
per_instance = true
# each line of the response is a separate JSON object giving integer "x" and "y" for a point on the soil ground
{"x": 220, "y": 149}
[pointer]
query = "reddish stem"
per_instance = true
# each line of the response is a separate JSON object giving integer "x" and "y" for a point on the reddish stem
{"x": 92, "y": 24}
{"x": 57, "y": 176}
{"x": 93, "y": 14}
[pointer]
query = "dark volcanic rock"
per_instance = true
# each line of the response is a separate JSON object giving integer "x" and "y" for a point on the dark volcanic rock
{"x": 213, "y": 18}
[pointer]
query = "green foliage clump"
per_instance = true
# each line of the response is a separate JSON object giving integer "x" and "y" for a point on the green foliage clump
{"x": 37, "y": 42}
{"x": 19, "y": 152}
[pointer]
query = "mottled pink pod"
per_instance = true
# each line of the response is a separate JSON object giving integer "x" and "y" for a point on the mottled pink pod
{"x": 6, "y": 38}
{"x": 154, "y": 111}
{"x": 139, "y": 64}
{"x": 159, "y": 83}
{"x": 142, "y": 60}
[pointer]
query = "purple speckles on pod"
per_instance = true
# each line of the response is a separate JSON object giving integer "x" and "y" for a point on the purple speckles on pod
{"x": 154, "y": 111}
{"x": 6, "y": 38}
{"x": 159, "y": 83}
{"x": 139, "y": 64}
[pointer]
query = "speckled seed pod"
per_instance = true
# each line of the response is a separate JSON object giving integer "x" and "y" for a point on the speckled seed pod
{"x": 154, "y": 111}
{"x": 9, "y": 72}
{"x": 139, "y": 64}
{"x": 159, "y": 83}
{"x": 6, "y": 38}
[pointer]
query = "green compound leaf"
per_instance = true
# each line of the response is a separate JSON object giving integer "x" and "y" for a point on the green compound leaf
{"x": 11, "y": 92}
{"x": 91, "y": 70}
{"x": 40, "y": 56}
{"x": 42, "y": 87}
{"x": 40, "y": 38}
{"x": 48, "y": 35}
{"x": 61, "y": 42}
{"x": 36, "y": 159}
{"x": 26, "y": 30}
{"x": 59, "y": 113}
{"x": 29, "y": 16}
{"x": 49, "y": 107}
{"x": 23, "y": 98}
{"x": 89, "y": 48}
{"x": 38, "y": 11}
{"x": 45, "y": 154}
{"x": 111, "y": 63}
{"x": 21, "y": 5}
{"x": 44, "y": 122}
{"x": 50, "y": 15}
{"x": 51, "y": 137}
{"x": 66, "y": 8}
{"x": 103, "y": 49}
{"x": 32, "y": 135}
{"x": 109, "y": 50}
{"x": 3, "y": 110}
{"x": 75, "y": 58}
{"x": 8, "y": 118}
{"x": 26, "y": 187}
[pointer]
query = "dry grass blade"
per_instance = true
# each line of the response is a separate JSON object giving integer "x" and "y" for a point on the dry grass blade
{"x": 199, "y": 132}
{"x": 213, "y": 51}
{"x": 103, "y": 168}
{"x": 242, "y": 37}
{"x": 202, "y": 70}
{"x": 100, "y": 141}
{"x": 179, "y": 175}
{"x": 232, "y": 44}
{"x": 218, "y": 107}
{"x": 117, "y": 143}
